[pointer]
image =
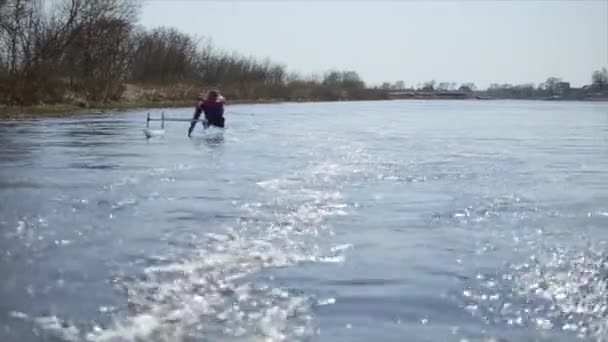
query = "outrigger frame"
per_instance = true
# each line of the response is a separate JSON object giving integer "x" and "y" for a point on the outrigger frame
{"x": 163, "y": 119}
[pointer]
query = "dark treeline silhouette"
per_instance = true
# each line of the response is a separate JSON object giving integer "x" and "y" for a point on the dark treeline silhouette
{"x": 91, "y": 50}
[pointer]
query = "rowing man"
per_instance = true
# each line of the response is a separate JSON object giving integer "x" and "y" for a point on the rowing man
{"x": 213, "y": 106}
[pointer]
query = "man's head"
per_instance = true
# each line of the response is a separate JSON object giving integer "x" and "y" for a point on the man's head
{"x": 213, "y": 95}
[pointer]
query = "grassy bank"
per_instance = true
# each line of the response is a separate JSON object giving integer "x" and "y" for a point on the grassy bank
{"x": 57, "y": 110}
{"x": 133, "y": 97}
{"x": 144, "y": 96}
{"x": 53, "y": 110}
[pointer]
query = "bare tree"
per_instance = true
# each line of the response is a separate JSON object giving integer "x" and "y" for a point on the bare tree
{"x": 600, "y": 78}
{"x": 98, "y": 53}
{"x": 90, "y": 48}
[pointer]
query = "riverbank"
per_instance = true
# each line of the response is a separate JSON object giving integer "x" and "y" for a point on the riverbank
{"x": 55, "y": 110}
{"x": 52, "y": 110}
{"x": 144, "y": 96}
{"x": 62, "y": 109}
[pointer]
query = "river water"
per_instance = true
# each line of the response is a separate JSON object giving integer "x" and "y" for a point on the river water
{"x": 359, "y": 221}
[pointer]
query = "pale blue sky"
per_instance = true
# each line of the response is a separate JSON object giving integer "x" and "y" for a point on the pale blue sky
{"x": 479, "y": 41}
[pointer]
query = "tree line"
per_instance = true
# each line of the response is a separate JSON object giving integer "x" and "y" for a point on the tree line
{"x": 89, "y": 49}
{"x": 552, "y": 87}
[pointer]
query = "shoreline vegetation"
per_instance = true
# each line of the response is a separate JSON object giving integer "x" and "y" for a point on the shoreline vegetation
{"x": 13, "y": 112}
{"x": 91, "y": 55}
{"x": 162, "y": 99}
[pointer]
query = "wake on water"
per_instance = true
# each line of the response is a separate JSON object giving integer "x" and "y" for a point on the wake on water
{"x": 211, "y": 294}
{"x": 214, "y": 292}
{"x": 210, "y": 132}
{"x": 151, "y": 133}
{"x": 556, "y": 287}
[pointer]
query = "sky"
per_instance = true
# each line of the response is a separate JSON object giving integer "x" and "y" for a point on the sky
{"x": 480, "y": 41}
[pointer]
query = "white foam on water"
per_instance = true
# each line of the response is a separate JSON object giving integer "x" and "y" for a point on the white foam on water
{"x": 210, "y": 132}
{"x": 54, "y": 325}
{"x": 212, "y": 295}
{"x": 327, "y": 301}
{"x": 151, "y": 133}
{"x": 18, "y": 314}
{"x": 121, "y": 204}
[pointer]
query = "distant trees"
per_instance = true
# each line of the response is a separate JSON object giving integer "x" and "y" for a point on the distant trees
{"x": 521, "y": 91}
{"x": 550, "y": 85}
{"x": 551, "y": 82}
{"x": 399, "y": 85}
{"x": 434, "y": 86}
{"x": 163, "y": 55}
{"x": 344, "y": 79}
{"x": 446, "y": 86}
{"x": 467, "y": 87}
{"x": 88, "y": 49}
{"x": 600, "y": 79}
{"x": 339, "y": 85}
{"x": 429, "y": 86}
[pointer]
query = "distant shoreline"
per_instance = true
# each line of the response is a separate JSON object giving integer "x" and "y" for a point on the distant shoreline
{"x": 9, "y": 113}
